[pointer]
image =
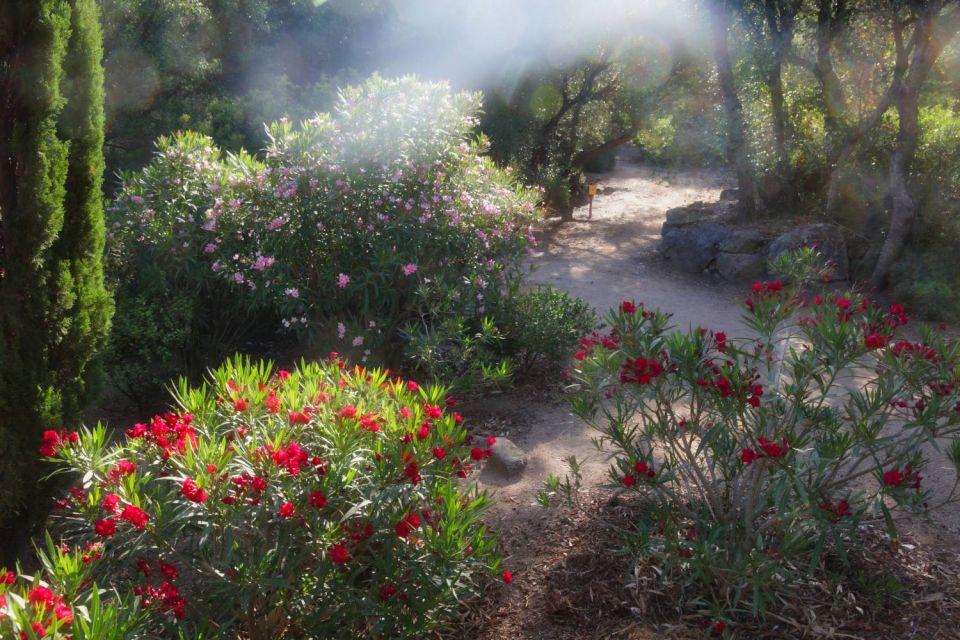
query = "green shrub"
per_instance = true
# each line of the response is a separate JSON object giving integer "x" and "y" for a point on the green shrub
{"x": 543, "y": 325}
{"x": 758, "y": 456}
{"x": 318, "y": 503}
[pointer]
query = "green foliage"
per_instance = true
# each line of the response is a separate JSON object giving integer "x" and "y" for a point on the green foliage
{"x": 223, "y": 68}
{"x": 926, "y": 279}
{"x": 54, "y": 310}
{"x": 759, "y": 457}
{"x": 557, "y": 121}
{"x": 468, "y": 360}
{"x": 317, "y": 503}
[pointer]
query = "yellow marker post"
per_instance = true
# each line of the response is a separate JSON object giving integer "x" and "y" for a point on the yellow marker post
{"x": 591, "y": 191}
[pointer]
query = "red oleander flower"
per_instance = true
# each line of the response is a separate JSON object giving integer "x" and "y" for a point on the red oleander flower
{"x": 411, "y": 471}
{"x": 432, "y": 412}
{"x": 721, "y": 340}
{"x": 110, "y": 503}
{"x": 286, "y": 510}
{"x": 348, "y": 411}
{"x": 439, "y": 453}
{"x": 192, "y": 492}
{"x": 874, "y": 341}
{"x": 771, "y": 449}
{"x": 317, "y": 499}
{"x": 747, "y": 456}
{"x": 105, "y": 528}
{"x": 51, "y": 440}
{"x": 629, "y": 480}
{"x": 272, "y": 403}
{"x": 893, "y": 478}
{"x": 41, "y": 597}
{"x": 386, "y": 592}
{"x": 63, "y": 613}
{"x": 640, "y": 370}
{"x": 627, "y": 307}
{"x": 241, "y": 405}
{"x": 298, "y": 417}
{"x": 508, "y": 577}
{"x": 135, "y": 516}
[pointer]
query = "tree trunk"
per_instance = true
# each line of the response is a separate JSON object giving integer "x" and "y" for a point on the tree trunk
{"x": 831, "y": 20}
{"x": 737, "y": 156}
{"x": 779, "y": 116}
{"x": 928, "y": 43}
{"x": 780, "y": 22}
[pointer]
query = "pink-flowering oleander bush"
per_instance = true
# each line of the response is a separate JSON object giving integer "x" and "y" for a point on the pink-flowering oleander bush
{"x": 761, "y": 454}
{"x": 381, "y": 213}
{"x": 319, "y": 503}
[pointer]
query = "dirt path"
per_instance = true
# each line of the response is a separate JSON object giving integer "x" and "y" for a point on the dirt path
{"x": 606, "y": 259}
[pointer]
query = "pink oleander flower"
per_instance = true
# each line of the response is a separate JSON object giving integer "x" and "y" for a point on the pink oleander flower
{"x": 343, "y": 280}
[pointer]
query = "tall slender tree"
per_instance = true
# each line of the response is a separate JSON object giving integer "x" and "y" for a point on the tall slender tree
{"x": 54, "y": 309}
{"x": 721, "y": 14}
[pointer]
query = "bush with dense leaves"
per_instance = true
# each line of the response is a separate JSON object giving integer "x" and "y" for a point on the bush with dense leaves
{"x": 762, "y": 455}
{"x": 355, "y": 223}
{"x": 543, "y": 325}
{"x": 318, "y": 503}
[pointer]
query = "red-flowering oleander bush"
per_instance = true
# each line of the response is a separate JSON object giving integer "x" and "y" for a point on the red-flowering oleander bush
{"x": 318, "y": 503}
{"x": 760, "y": 455}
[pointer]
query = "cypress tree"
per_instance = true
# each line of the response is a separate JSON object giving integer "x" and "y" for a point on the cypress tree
{"x": 54, "y": 309}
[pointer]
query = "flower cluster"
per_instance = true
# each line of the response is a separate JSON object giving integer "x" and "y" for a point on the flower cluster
{"x": 53, "y": 440}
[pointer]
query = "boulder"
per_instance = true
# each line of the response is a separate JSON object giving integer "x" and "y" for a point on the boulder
{"x": 730, "y": 195}
{"x": 744, "y": 241}
{"x": 692, "y": 248}
{"x": 827, "y": 238}
{"x": 509, "y": 457}
{"x": 738, "y": 267}
{"x": 691, "y": 235}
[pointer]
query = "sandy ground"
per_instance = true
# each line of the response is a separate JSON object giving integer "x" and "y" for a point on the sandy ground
{"x": 605, "y": 259}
